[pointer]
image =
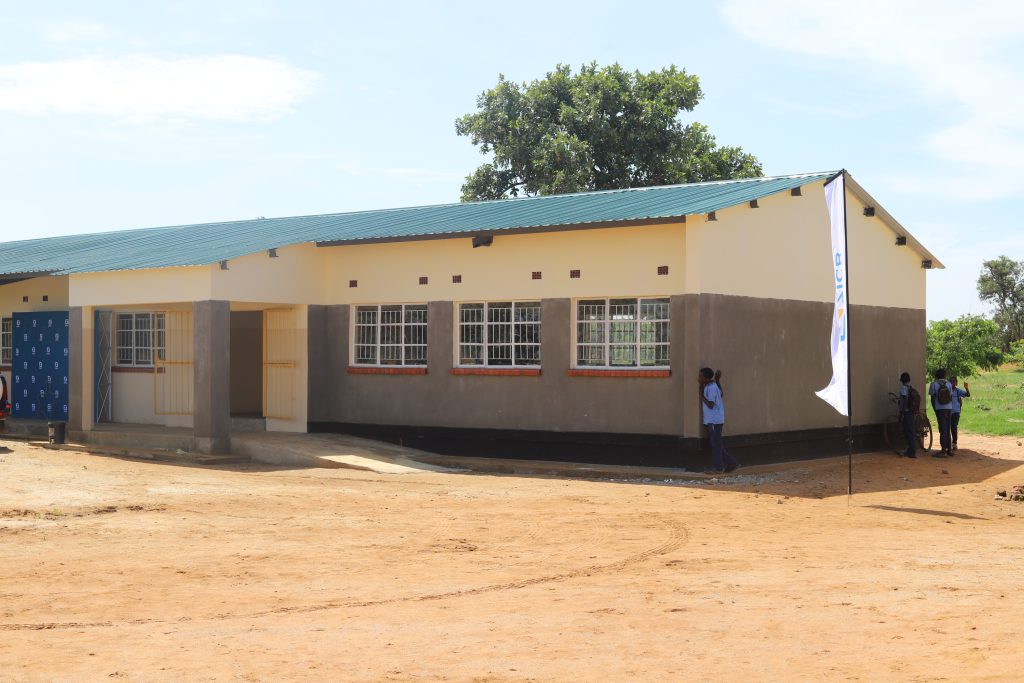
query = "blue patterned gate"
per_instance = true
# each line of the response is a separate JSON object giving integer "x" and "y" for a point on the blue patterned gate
{"x": 39, "y": 366}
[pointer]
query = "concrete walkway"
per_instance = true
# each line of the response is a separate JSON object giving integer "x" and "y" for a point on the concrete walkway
{"x": 333, "y": 450}
{"x": 344, "y": 451}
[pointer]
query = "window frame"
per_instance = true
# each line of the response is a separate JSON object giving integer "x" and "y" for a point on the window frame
{"x": 157, "y": 331}
{"x": 638, "y": 335}
{"x": 6, "y": 341}
{"x": 406, "y": 326}
{"x": 485, "y": 342}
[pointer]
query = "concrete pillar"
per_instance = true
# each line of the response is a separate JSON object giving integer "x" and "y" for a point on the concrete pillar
{"x": 440, "y": 322}
{"x": 76, "y": 384}
{"x": 211, "y": 322}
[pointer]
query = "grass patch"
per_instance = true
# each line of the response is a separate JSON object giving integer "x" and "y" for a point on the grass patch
{"x": 996, "y": 405}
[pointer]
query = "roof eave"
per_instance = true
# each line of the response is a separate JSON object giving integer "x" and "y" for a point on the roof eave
{"x": 889, "y": 220}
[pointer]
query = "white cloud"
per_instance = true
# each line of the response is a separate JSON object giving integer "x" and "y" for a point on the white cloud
{"x": 145, "y": 88}
{"x": 84, "y": 30}
{"x": 958, "y": 56}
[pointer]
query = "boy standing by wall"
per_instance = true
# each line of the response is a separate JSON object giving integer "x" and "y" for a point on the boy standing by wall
{"x": 713, "y": 410}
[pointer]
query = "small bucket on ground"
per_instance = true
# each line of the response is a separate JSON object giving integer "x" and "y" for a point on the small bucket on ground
{"x": 56, "y": 431}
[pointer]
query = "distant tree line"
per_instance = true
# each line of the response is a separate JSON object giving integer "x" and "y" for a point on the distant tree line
{"x": 975, "y": 342}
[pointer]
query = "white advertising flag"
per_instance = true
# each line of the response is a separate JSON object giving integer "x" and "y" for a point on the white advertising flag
{"x": 836, "y": 393}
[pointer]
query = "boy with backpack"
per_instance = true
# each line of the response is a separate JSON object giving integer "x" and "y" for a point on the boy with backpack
{"x": 958, "y": 402}
{"x": 941, "y": 392}
{"x": 910, "y": 406}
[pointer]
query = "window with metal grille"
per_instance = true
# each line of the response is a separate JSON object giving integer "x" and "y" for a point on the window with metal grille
{"x": 391, "y": 335}
{"x": 500, "y": 333}
{"x": 622, "y": 333}
{"x": 138, "y": 336}
{"x": 6, "y": 340}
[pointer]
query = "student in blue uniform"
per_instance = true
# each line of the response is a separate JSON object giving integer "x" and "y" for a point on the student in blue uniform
{"x": 941, "y": 392}
{"x": 713, "y": 409}
{"x": 958, "y": 401}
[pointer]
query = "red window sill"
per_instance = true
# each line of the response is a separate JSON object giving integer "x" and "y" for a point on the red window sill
{"x": 583, "y": 372}
{"x": 356, "y": 370}
{"x": 139, "y": 369}
{"x": 498, "y": 372}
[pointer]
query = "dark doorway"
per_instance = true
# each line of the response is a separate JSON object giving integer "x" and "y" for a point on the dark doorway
{"x": 247, "y": 364}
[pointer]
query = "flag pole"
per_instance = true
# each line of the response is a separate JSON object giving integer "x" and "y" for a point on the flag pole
{"x": 840, "y": 318}
{"x": 849, "y": 345}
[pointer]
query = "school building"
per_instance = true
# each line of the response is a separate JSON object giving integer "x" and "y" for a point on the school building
{"x": 572, "y": 319}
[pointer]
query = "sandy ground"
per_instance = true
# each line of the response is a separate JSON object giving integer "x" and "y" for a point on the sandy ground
{"x": 120, "y": 569}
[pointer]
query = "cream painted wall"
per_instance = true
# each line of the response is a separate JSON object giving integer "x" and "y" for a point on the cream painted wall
{"x": 781, "y": 251}
{"x": 296, "y": 275}
{"x": 613, "y": 261}
{"x": 55, "y": 288}
{"x": 141, "y": 288}
{"x": 881, "y": 274}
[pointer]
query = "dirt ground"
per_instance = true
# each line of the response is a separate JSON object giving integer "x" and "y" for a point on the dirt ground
{"x": 114, "y": 568}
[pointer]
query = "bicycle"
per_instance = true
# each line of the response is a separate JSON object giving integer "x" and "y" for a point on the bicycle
{"x": 893, "y": 429}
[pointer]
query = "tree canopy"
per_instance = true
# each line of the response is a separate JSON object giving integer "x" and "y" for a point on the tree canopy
{"x": 602, "y": 128}
{"x": 963, "y": 346}
{"x": 1001, "y": 283}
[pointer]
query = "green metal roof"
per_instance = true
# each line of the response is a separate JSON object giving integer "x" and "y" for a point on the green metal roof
{"x": 206, "y": 243}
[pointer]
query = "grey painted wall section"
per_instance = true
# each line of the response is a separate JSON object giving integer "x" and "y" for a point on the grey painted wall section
{"x": 246, "y": 362}
{"x": 212, "y": 376}
{"x": 773, "y": 354}
{"x": 327, "y": 344}
{"x": 75, "y": 381}
{"x": 551, "y": 402}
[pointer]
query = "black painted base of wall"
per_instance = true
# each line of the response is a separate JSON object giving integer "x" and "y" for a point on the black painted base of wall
{"x": 642, "y": 450}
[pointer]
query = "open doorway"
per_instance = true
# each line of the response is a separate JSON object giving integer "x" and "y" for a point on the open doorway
{"x": 247, "y": 369}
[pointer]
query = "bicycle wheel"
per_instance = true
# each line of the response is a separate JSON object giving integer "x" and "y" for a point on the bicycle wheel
{"x": 893, "y": 430}
{"x": 923, "y": 430}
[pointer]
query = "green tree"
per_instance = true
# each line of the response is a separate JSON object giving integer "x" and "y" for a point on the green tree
{"x": 963, "y": 346}
{"x": 1016, "y": 354}
{"x": 1001, "y": 283}
{"x": 599, "y": 129}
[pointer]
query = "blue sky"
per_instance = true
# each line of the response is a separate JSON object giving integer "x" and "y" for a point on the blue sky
{"x": 125, "y": 114}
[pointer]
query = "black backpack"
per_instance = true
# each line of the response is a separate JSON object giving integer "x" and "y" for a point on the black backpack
{"x": 944, "y": 395}
{"x": 913, "y": 400}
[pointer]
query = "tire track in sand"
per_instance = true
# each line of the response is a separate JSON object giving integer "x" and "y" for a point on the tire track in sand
{"x": 678, "y": 535}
